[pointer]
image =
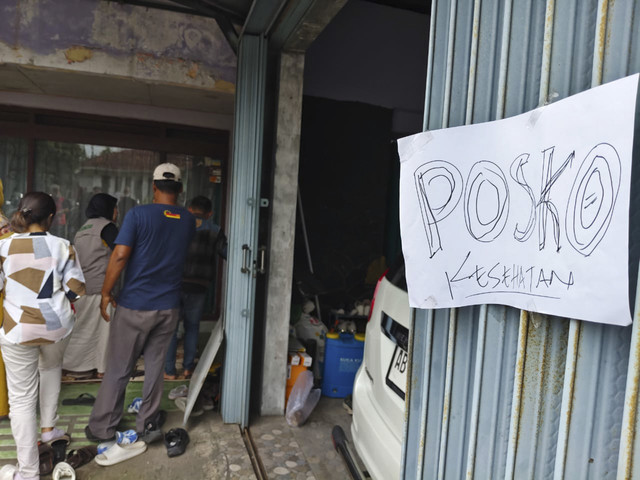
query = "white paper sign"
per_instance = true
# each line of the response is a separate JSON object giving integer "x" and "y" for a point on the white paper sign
{"x": 531, "y": 211}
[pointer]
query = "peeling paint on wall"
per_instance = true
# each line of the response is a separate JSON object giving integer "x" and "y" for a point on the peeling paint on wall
{"x": 78, "y": 54}
{"x": 226, "y": 87}
{"x": 122, "y": 40}
{"x": 193, "y": 71}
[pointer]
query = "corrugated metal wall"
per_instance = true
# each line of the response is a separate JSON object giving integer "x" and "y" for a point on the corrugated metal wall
{"x": 243, "y": 229}
{"x": 496, "y": 392}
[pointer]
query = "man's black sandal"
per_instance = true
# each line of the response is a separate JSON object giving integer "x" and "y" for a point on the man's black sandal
{"x": 176, "y": 441}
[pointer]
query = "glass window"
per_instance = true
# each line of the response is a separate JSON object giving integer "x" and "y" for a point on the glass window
{"x": 72, "y": 173}
{"x": 201, "y": 176}
{"x": 13, "y": 171}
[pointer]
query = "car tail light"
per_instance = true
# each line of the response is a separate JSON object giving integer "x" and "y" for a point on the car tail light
{"x": 375, "y": 292}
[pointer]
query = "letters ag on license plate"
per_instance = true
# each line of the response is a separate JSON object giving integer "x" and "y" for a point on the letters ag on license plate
{"x": 397, "y": 373}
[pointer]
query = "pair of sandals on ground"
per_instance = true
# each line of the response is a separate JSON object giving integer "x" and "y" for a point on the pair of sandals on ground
{"x": 206, "y": 400}
{"x": 186, "y": 375}
{"x": 126, "y": 445}
{"x": 54, "y": 459}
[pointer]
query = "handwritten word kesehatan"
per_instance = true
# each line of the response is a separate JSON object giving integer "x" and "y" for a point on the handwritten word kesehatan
{"x": 522, "y": 279}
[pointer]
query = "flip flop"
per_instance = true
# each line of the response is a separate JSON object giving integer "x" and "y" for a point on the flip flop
{"x": 82, "y": 456}
{"x": 63, "y": 436}
{"x": 180, "y": 391}
{"x": 104, "y": 446}
{"x": 63, "y": 471}
{"x": 181, "y": 403}
{"x": 82, "y": 399}
{"x": 88, "y": 375}
{"x": 176, "y": 441}
{"x": 120, "y": 453}
{"x": 59, "y": 447}
{"x": 134, "y": 406}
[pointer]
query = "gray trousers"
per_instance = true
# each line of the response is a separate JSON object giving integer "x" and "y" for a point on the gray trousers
{"x": 133, "y": 333}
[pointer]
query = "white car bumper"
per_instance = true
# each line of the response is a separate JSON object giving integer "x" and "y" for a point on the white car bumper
{"x": 376, "y": 444}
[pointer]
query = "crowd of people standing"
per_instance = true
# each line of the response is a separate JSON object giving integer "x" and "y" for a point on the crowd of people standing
{"x": 62, "y": 308}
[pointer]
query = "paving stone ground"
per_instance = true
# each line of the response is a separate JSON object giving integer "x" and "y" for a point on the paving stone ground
{"x": 216, "y": 450}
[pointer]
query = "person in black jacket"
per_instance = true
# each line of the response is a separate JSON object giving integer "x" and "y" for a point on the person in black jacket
{"x": 200, "y": 272}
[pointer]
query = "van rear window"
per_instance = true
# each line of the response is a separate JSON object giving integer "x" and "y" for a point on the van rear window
{"x": 397, "y": 333}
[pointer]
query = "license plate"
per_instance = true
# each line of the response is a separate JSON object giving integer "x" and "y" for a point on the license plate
{"x": 397, "y": 373}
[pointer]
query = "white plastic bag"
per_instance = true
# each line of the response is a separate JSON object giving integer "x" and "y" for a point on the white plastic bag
{"x": 302, "y": 399}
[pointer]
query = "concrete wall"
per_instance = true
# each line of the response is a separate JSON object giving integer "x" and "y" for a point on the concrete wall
{"x": 281, "y": 239}
{"x": 104, "y": 37}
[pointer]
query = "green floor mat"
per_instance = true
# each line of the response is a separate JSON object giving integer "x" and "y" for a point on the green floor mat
{"x": 73, "y": 418}
{"x": 134, "y": 389}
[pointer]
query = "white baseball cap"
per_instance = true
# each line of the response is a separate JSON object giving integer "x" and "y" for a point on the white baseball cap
{"x": 167, "y": 171}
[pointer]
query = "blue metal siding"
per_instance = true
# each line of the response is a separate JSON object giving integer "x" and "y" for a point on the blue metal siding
{"x": 494, "y": 410}
{"x": 436, "y": 391}
{"x": 496, "y": 392}
{"x": 438, "y": 47}
{"x": 458, "y": 407}
{"x": 541, "y": 397}
{"x": 524, "y": 60}
{"x": 484, "y": 99}
{"x": 572, "y": 48}
{"x": 601, "y": 370}
{"x": 459, "y": 58}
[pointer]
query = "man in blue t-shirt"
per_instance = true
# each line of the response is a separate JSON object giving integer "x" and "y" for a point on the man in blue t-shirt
{"x": 152, "y": 244}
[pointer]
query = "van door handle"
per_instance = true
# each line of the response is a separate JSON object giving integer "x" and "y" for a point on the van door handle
{"x": 245, "y": 258}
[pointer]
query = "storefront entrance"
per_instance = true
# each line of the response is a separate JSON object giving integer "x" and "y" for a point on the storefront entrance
{"x": 73, "y": 157}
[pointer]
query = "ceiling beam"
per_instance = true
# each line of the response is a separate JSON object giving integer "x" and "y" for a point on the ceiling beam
{"x": 261, "y": 16}
{"x": 237, "y": 16}
{"x": 160, "y": 6}
{"x": 225, "y": 24}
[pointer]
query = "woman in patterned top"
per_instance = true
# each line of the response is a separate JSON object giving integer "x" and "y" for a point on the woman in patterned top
{"x": 40, "y": 277}
{"x": 5, "y": 227}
